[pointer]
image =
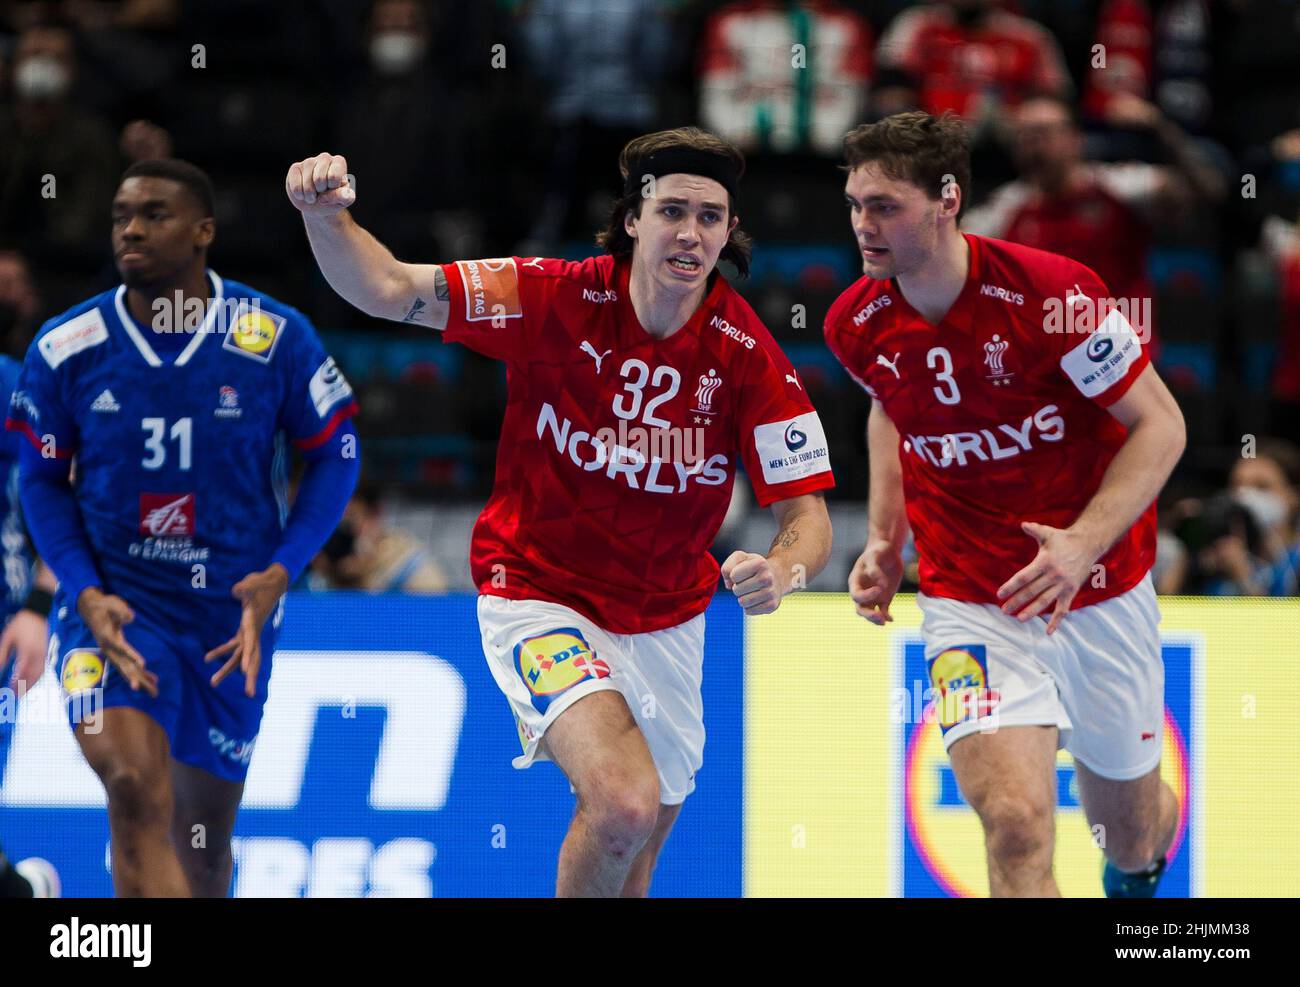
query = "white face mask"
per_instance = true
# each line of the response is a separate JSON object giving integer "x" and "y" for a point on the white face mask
{"x": 1268, "y": 509}
{"x": 395, "y": 52}
{"x": 41, "y": 77}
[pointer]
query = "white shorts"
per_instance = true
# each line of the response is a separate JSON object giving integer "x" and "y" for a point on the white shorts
{"x": 1099, "y": 678}
{"x": 545, "y": 657}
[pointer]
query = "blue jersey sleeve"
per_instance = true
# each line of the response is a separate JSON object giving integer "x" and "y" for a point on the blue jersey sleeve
{"x": 10, "y": 441}
{"x": 327, "y": 484}
{"x": 318, "y": 397}
{"x": 55, "y": 522}
{"x": 37, "y": 410}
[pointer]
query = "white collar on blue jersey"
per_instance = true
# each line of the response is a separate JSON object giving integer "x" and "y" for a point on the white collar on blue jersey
{"x": 142, "y": 344}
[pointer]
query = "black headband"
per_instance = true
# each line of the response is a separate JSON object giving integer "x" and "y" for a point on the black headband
{"x": 686, "y": 161}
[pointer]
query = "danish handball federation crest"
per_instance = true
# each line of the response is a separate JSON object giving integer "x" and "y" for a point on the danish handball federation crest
{"x": 994, "y": 352}
{"x": 709, "y": 384}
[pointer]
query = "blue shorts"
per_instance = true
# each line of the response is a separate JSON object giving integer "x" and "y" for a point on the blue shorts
{"x": 209, "y": 728}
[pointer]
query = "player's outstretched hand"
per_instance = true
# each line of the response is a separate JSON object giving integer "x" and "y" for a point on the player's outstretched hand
{"x": 754, "y": 580}
{"x": 1063, "y": 562}
{"x": 319, "y": 186}
{"x": 259, "y": 592}
{"x": 105, "y": 615}
{"x": 874, "y": 581}
{"x": 24, "y": 639}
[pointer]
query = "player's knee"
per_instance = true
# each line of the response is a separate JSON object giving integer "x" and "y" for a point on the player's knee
{"x": 623, "y": 814}
{"x": 134, "y": 798}
{"x": 1016, "y": 828}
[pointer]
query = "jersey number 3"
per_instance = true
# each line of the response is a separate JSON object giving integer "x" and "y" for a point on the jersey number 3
{"x": 182, "y": 433}
{"x": 941, "y": 360}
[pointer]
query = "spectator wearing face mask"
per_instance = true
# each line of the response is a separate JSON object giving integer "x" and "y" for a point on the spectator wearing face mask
{"x": 58, "y": 162}
{"x": 1225, "y": 552}
{"x": 401, "y": 101}
{"x": 367, "y": 553}
{"x": 1268, "y": 486}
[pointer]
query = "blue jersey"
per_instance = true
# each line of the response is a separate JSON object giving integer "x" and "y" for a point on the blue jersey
{"x": 181, "y": 458}
{"x": 15, "y": 548}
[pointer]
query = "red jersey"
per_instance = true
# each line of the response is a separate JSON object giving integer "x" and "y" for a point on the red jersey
{"x": 1003, "y": 57}
{"x": 618, "y": 450}
{"x": 1001, "y": 413}
{"x": 1101, "y": 223}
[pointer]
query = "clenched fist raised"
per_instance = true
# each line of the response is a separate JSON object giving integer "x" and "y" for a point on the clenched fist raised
{"x": 319, "y": 185}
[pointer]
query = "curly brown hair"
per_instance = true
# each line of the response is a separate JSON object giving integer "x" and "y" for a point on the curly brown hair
{"x": 614, "y": 237}
{"x": 923, "y": 150}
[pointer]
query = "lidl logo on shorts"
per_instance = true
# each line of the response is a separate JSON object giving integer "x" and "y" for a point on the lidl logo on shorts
{"x": 254, "y": 334}
{"x": 960, "y": 679}
{"x": 82, "y": 670}
{"x": 553, "y": 662}
{"x": 942, "y": 840}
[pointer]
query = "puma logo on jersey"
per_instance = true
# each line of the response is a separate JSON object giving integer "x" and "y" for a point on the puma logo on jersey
{"x": 882, "y": 362}
{"x": 794, "y": 379}
{"x": 535, "y": 262}
{"x": 590, "y": 350}
{"x": 1072, "y": 298}
{"x": 105, "y": 402}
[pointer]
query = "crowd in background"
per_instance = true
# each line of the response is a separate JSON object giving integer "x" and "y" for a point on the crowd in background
{"x": 1157, "y": 142}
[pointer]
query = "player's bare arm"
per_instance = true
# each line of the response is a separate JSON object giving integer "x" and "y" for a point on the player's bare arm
{"x": 879, "y": 570}
{"x": 360, "y": 268}
{"x": 1156, "y": 438}
{"x": 259, "y": 592}
{"x": 25, "y": 636}
{"x": 798, "y": 553}
{"x": 105, "y": 615}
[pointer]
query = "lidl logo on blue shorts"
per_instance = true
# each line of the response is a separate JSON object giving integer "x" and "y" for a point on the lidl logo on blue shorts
{"x": 556, "y": 661}
{"x": 82, "y": 670}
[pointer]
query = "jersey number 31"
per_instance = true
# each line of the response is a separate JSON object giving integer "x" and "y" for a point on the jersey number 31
{"x": 181, "y": 433}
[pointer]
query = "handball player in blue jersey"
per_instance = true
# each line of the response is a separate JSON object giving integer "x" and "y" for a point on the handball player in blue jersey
{"x": 25, "y": 598}
{"x": 159, "y": 418}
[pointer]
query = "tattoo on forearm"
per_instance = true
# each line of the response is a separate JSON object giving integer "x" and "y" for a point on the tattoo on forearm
{"x": 416, "y": 309}
{"x": 786, "y": 538}
{"x": 440, "y": 289}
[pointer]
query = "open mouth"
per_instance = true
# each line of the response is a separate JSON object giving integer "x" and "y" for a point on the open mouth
{"x": 875, "y": 253}
{"x": 687, "y": 265}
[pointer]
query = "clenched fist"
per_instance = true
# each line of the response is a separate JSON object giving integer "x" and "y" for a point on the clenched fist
{"x": 754, "y": 581}
{"x": 319, "y": 186}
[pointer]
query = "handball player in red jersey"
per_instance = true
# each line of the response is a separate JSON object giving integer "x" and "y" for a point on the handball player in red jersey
{"x": 1018, "y": 426}
{"x": 638, "y": 381}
